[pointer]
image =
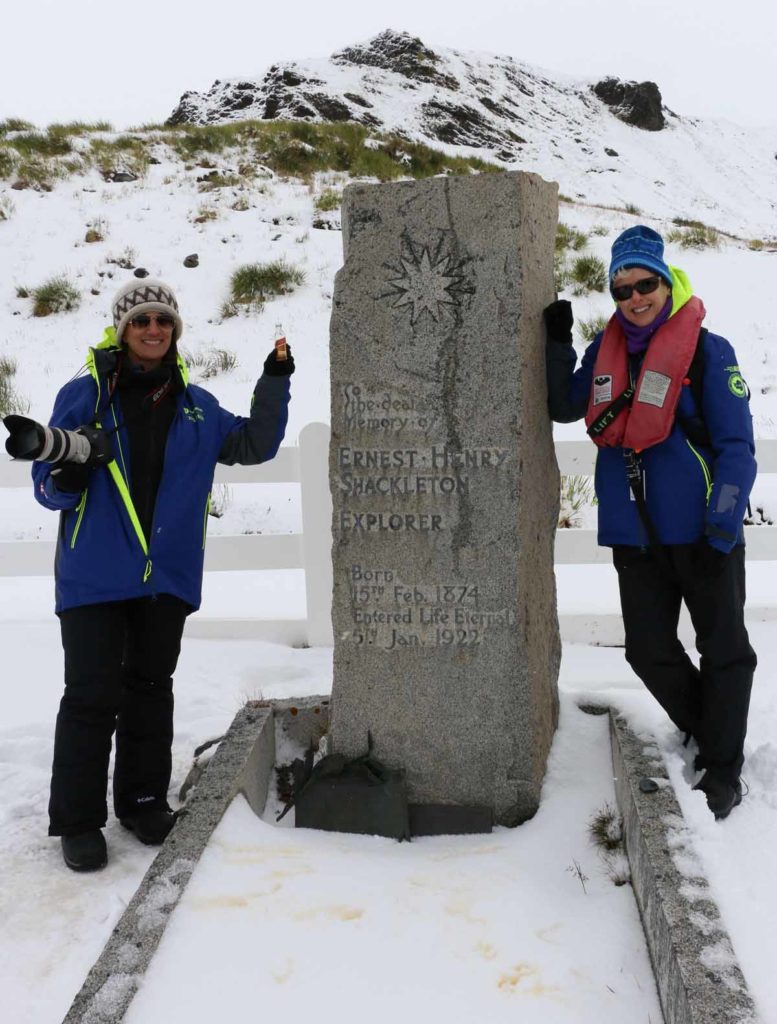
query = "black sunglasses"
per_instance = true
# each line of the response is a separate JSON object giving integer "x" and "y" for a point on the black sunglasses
{"x": 163, "y": 320}
{"x": 621, "y": 292}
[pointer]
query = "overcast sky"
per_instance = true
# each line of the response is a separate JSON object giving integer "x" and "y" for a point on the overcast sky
{"x": 129, "y": 63}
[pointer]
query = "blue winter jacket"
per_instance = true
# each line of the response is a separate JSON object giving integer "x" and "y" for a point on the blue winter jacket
{"x": 691, "y": 491}
{"x": 101, "y": 552}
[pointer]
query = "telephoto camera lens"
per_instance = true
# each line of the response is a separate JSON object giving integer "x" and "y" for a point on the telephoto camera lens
{"x": 30, "y": 440}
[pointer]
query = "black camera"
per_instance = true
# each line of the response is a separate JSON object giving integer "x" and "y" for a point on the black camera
{"x": 30, "y": 440}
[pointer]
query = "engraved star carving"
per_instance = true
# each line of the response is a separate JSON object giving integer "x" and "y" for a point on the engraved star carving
{"x": 426, "y": 283}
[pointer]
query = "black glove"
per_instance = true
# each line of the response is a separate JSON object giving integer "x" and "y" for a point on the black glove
{"x": 558, "y": 321}
{"x": 708, "y": 562}
{"x": 279, "y": 367}
{"x": 101, "y": 445}
{"x": 71, "y": 477}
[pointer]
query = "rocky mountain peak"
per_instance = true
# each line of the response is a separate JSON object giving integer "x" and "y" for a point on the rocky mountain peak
{"x": 398, "y": 52}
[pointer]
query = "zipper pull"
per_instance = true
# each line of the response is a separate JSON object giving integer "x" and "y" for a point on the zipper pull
{"x": 147, "y": 572}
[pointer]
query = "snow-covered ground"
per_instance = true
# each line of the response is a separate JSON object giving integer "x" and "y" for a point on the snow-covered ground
{"x": 481, "y": 927}
{"x": 53, "y": 923}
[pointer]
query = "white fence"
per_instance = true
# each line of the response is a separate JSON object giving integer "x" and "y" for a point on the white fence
{"x": 308, "y": 464}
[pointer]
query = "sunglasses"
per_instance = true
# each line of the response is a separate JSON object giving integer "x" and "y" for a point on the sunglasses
{"x": 163, "y": 320}
{"x": 621, "y": 292}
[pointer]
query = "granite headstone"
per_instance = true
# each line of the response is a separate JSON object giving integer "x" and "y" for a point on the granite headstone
{"x": 445, "y": 488}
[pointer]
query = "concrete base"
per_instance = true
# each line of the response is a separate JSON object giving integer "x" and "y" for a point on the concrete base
{"x": 243, "y": 763}
{"x": 697, "y": 975}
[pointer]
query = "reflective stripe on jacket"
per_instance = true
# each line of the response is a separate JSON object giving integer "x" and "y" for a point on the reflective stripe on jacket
{"x": 102, "y": 553}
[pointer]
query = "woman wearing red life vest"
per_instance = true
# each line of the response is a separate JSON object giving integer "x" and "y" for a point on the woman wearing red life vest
{"x": 665, "y": 402}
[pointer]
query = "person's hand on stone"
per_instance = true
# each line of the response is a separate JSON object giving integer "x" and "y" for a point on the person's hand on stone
{"x": 558, "y": 321}
{"x": 279, "y": 367}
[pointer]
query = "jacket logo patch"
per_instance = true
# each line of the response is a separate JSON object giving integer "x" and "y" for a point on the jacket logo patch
{"x": 195, "y": 414}
{"x": 602, "y": 388}
{"x": 737, "y": 386}
{"x": 653, "y": 389}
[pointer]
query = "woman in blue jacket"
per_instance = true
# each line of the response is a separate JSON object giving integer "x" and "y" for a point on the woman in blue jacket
{"x": 666, "y": 404}
{"x": 130, "y": 556}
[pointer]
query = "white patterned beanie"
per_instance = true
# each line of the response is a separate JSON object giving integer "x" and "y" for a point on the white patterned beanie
{"x": 145, "y": 295}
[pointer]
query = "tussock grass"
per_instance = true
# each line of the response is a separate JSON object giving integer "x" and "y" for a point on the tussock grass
{"x": 211, "y": 364}
{"x": 44, "y": 144}
{"x": 10, "y": 401}
{"x": 698, "y": 236}
{"x": 204, "y": 214}
{"x": 587, "y": 274}
{"x": 79, "y": 128}
{"x": 329, "y": 199}
{"x": 293, "y": 149}
{"x": 96, "y": 230}
{"x": 126, "y": 259}
{"x": 252, "y": 284}
{"x": 6, "y": 208}
{"x": 590, "y": 328}
{"x": 58, "y": 295}
{"x": 8, "y": 161}
{"x": 15, "y": 124}
{"x": 576, "y": 493}
{"x": 570, "y": 238}
{"x": 605, "y": 829}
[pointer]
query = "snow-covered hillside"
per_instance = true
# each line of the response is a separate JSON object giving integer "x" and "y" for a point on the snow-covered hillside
{"x": 527, "y": 118}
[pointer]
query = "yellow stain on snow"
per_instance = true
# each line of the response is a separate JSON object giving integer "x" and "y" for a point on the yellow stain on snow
{"x": 235, "y": 901}
{"x": 282, "y": 976}
{"x": 257, "y": 854}
{"x": 463, "y": 909}
{"x": 486, "y": 950}
{"x": 338, "y": 912}
{"x": 524, "y": 979}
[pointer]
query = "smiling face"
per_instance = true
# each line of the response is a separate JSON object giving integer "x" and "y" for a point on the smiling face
{"x": 147, "y": 346}
{"x": 641, "y": 310}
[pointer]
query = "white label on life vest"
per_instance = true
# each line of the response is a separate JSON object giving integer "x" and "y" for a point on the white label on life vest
{"x": 602, "y": 388}
{"x": 653, "y": 389}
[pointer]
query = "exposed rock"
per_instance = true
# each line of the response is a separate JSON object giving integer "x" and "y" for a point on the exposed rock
{"x": 328, "y": 107}
{"x": 635, "y": 103}
{"x": 140, "y": 272}
{"x": 400, "y": 52}
{"x": 463, "y": 125}
{"x": 192, "y": 261}
{"x": 360, "y": 101}
{"x": 610, "y": 152}
{"x": 116, "y": 176}
{"x": 187, "y": 111}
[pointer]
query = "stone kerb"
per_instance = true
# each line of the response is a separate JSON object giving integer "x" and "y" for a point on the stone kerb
{"x": 445, "y": 487}
{"x": 698, "y": 977}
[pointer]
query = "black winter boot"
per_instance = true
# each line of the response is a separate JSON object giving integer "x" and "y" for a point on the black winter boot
{"x": 722, "y": 795}
{"x": 151, "y": 827}
{"x": 85, "y": 852}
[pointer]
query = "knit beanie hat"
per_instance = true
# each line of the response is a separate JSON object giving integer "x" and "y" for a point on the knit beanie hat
{"x": 639, "y": 246}
{"x": 145, "y": 296}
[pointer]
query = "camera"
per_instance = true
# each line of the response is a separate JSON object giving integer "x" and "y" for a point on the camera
{"x": 30, "y": 440}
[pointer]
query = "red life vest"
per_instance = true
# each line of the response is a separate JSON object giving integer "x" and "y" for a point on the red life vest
{"x": 650, "y": 417}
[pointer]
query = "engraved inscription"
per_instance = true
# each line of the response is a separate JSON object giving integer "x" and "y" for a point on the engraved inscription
{"x": 390, "y": 614}
{"x": 383, "y": 410}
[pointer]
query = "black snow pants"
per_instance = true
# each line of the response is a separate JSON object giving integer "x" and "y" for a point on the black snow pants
{"x": 711, "y": 702}
{"x": 119, "y": 661}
